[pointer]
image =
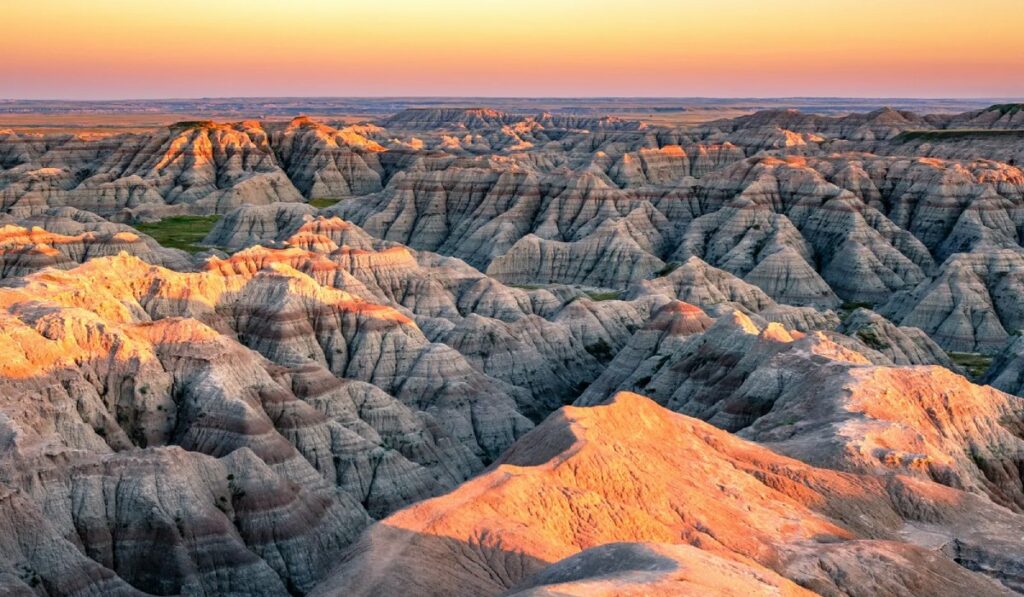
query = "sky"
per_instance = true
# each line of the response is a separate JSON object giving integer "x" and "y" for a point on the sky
{"x": 117, "y": 49}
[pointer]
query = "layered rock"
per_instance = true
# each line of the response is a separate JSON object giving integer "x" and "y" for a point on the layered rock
{"x": 631, "y": 471}
{"x": 541, "y": 341}
{"x": 1007, "y": 369}
{"x": 902, "y": 345}
{"x": 521, "y": 227}
{"x": 768, "y": 204}
{"x": 294, "y": 322}
{"x": 323, "y": 162}
{"x": 654, "y": 569}
{"x": 252, "y": 224}
{"x": 666, "y": 165}
{"x": 25, "y": 249}
{"x": 970, "y": 306}
{"x": 696, "y": 282}
{"x": 166, "y": 521}
{"x": 814, "y": 397}
{"x": 489, "y": 118}
{"x": 230, "y": 425}
{"x": 885, "y": 123}
{"x": 999, "y": 116}
{"x": 190, "y": 167}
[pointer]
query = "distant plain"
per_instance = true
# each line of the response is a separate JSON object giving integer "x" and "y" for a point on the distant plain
{"x": 120, "y": 116}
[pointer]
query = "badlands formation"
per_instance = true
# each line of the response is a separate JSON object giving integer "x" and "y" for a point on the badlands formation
{"x": 473, "y": 352}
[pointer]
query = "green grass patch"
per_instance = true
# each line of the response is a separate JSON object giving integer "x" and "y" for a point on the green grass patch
{"x": 975, "y": 364}
{"x": 600, "y": 351}
{"x": 1005, "y": 109}
{"x": 869, "y": 336}
{"x": 323, "y": 202}
{"x": 192, "y": 124}
{"x": 180, "y": 232}
{"x": 847, "y": 308}
{"x": 948, "y": 134}
{"x": 604, "y": 296}
{"x": 854, "y": 305}
{"x": 669, "y": 267}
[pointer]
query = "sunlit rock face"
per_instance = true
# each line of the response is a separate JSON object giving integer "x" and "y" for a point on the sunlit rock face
{"x": 65, "y": 237}
{"x": 190, "y": 167}
{"x": 826, "y": 399}
{"x": 603, "y": 202}
{"x": 630, "y": 471}
{"x": 749, "y": 318}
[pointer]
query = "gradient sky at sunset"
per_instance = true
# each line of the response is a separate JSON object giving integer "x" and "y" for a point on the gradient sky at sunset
{"x": 102, "y": 49}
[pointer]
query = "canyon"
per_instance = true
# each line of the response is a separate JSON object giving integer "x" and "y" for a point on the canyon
{"x": 457, "y": 350}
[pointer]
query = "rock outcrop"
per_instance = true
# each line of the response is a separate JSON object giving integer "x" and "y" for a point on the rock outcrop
{"x": 1007, "y": 369}
{"x": 783, "y": 286}
{"x": 815, "y": 398}
{"x": 814, "y": 210}
{"x": 190, "y": 167}
{"x": 902, "y": 345}
{"x": 970, "y": 306}
{"x": 66, "y": 237}
{"x": 590, "y": 477}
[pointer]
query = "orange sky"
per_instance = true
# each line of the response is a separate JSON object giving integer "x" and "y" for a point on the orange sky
{"x": 81, "y": 49}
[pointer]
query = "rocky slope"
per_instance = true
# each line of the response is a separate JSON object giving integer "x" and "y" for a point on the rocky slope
{"x": 783, "y": 286}
{"x": 902, "y": 345}
{"x": 587, "y": 477}
{"x": 190, "y": 167}
{"x": 817, "y": 398}
{"x": 65, "y": 237}
{"x": 813, "y": 210}
{"x": 545, "y": 342}
{"x": 1006, "y": 371}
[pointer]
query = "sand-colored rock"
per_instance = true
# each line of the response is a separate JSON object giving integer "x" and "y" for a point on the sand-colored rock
{"x": 233, "y": 424}
{"x": 66, "y": 237}
{"x": 189, "y": 167}
{"x": 815, "y": 398}
{"x": 630, "y": 471}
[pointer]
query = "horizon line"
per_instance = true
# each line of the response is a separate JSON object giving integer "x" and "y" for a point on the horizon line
{"x": 524, "y": 97}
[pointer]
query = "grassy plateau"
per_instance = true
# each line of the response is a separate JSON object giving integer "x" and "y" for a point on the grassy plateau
{"x": 180, "y": 232}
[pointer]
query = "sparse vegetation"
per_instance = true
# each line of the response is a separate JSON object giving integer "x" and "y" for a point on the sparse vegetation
{"x": 180, "y": 232}
{"x": 323, "y": 202}
{"x": 669, "y": 267}
{"x": 28, "y": 575}
{"x": 1005, "y": 109}
{"x": 604, "y": 296}
{"x": 974, "y": 363}
{"x": 947, "y": 134}
{"x": 854, "y": 305}
{"x": 870, "y": 337}
{"x": 850, "y": 306}
{"x": 191, "y": 124}
{"x": 600, "y": 350}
